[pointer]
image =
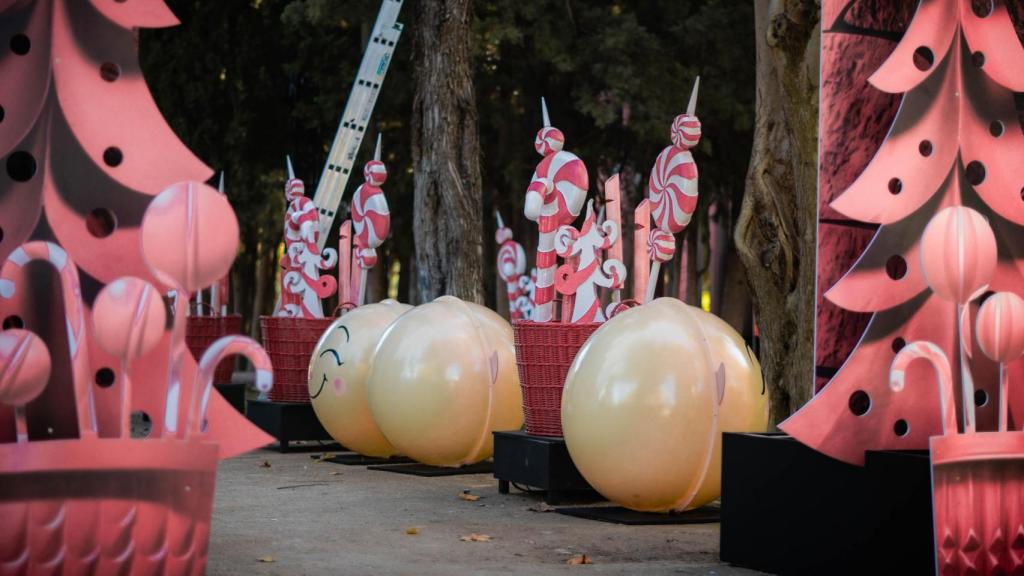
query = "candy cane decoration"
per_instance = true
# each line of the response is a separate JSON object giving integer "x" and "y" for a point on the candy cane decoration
{"x": 554, "y": 198}
{"x": 74, "y": 318}
{"x": 511, "y": 265}
{"x": 944, "y": 377}
{"x": 586, "y": 245}
{"x": 673, "y": 182}
{"x": 371, "y": 220}
{"x": 218, "y": 351}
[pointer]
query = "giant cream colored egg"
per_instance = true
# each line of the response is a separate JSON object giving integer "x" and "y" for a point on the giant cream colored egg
{"x": 647, "y": 399}
{"x": 443, "y": 379}
{"x": 338, "y": 373}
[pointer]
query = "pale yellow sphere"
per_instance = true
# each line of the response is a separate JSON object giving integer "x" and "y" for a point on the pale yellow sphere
{"x": 444, "y": 377}
{"x": 646, "y": 402}
{"x": 338, "y": 373}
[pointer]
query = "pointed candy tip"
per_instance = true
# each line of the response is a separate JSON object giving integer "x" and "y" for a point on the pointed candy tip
{"x": 544, "y": 112}
{"x": 691, "y": 108}
{"x": 291, "y": 171}
{"x": 376, "y": 152}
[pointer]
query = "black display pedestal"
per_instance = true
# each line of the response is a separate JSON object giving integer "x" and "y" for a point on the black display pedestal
{"x": 787, "y": 509}
{"x": 428, "y": 471}
{"x": 540, "y": 462}
{"x": 620, "y": 515}
{"x": 234, "y": 394}
{"x": 287, "y": 422}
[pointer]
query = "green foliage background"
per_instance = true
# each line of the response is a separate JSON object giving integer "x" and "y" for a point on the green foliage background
{"x": 245, "y": 82}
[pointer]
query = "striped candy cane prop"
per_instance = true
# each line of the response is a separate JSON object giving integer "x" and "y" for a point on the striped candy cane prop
{"x": 554, "y": 198}
{"x": 511, "y": 266}
{"x": 673, "y": 183}
{"x": 371, "y": 219}
{"x": 584, "y": 247}
{"x": 13, "y": 273}
{"x": 934, "y": 355}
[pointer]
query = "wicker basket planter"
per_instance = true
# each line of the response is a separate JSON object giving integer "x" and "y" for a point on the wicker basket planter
{"x": 544, "y": 353}
{"x": 290, "y": 343}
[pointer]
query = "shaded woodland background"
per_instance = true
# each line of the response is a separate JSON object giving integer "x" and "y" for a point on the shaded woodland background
{"x": 245, "y": 82}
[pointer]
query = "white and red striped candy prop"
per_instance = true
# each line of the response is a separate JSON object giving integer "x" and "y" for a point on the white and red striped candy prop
{"x": 661, "y": 246}
{"x": 672, "y": 186}
{"x": 934, "y": 355}
{"x": 371, "y": 218}
{"x": 554, "y": 198}
{"x": 585, "y": 247}
{"x": 511, "y": 266}
{"x": 958, "y": 257}
{"x": 1000, "y": 332}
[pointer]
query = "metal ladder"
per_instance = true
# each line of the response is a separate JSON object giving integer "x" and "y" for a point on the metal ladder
{"x": 361, "y": 99}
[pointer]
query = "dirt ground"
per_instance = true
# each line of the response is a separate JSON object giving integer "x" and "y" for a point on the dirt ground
{"x": 289, "y": 514}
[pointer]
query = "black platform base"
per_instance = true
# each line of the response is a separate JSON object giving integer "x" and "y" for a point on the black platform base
{"x": 234, "y": 394}
{"x": 787, "y": 509}
{"x": 434, "y": 471}
{"x": 287, "y": 422}
{"x": 354, "y": 459}
{"x": 540, "y": 462}
{"x": 620, "y": 515}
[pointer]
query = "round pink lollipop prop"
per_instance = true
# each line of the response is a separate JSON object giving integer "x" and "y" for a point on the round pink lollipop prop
{"x": 24, "y": 372}
{"x": 661, "y": 246}
{"x": 128, "y": 319}
{"x": 189, "y": 240}
{"x": 1000, "y": 330}
{"x": 958, "y": 257}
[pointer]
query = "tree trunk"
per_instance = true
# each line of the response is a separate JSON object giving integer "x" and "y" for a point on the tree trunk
{"x": 775, "y": 234}
{"x": 446, "y": 155}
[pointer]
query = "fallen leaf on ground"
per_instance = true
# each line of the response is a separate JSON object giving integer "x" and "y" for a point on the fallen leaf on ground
{"x": 476, "y": 538}
{"x": 412, "y": 531}
{"x": 265, "y": 464}
{"x": 335, "y": 473}
{"x": 577, "y": 560}
{"x": 266, "y": 559}
{"x": 465, "y": 495}
{"x": 542, "y": 507}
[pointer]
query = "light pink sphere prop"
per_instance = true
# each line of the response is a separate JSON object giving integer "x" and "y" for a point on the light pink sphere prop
{"x": 189, "y": 235}
{"x": 1000, "y": 327}
{"x": 24, "y": 367}
{"x": 129, "y": 317}
{"x": 549, "y": 140}
{"x": 661, "y": 245}
{"x": 958, "y": 254}
{"x": 685, "y": 131}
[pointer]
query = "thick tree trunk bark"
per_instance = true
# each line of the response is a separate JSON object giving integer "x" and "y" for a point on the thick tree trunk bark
{"x": 446, "y": 155}
{"x": 775, "y": 234}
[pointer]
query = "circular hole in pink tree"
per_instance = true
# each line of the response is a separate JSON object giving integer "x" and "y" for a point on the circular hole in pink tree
{"x": 925, "y": 148}
{"x": 859, "y": 403}
{"x": 110, "y": 71}
{"x": 924, "y": 58}
{"x": 105, "y": 377}
{"x": 897, "y": 344}
{"x": 895, "y": 186}
{"x": 980, "y": 398}
{"x": 113, "y": 157}
{"x": 21, "y": 166}
{"x": 12, "y": 322}
{"x": 901, "y": 428}
{"x": 996, "y": 128}
{"x": 101, "y": 222}
{"x": 978, "y": 59}
{"x": 20, "y": 44}
{"x": 975, "y": 173}
{"x": 982, "y": 8}
{"x": 896, "y": 267}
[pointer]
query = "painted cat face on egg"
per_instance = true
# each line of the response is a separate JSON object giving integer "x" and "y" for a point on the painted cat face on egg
{"x": 338, "y": 373}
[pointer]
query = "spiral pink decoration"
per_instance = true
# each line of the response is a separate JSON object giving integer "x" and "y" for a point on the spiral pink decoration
{"x": 685, "y": 131}
{"x": 1000, "y": 327}
{"x": 511, "y": 266}
{"x": 673, "y": 189}
{"x": 375, "y": 172}
{"x": 294, "y": 188}
{"x": 549, "y": 141}
{"x": 958, "y": 254}
{"x": 661, "y": 246}
{"x": 371, "y": 219}
{"x": 367, "y": 258}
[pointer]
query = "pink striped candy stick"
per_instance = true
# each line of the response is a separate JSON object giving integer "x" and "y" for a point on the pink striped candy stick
{"x": 345, "y": 263}
{"x": 511, "y": 265}
{"x": 613, "y": 208}
{"x": 673, "y": 182}
{"x": 554, "y": 198}
{"x": 641, "y": 232}
{"x": 371, "y": 219}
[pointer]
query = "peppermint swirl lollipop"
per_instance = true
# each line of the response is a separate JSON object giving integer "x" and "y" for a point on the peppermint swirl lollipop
{"x": 661, "y": 246}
